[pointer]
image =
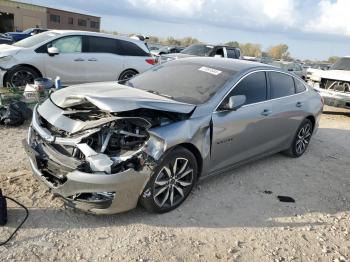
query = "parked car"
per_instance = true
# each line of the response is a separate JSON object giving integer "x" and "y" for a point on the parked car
{"x": 296, "y": 68}
{"x": 167, "y": 50}
{"x": 204, "y": 50}
{"x": 5, "y": 39}
{"x": 75, "y": 56}
{"x": 104, "y": 147}
{"x": 17, "y": 36}
{"x": 334, "y": 84}
{"x": 315, "y": 68}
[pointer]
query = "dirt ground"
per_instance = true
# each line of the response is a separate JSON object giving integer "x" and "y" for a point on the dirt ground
{"x": 231, "y": 217}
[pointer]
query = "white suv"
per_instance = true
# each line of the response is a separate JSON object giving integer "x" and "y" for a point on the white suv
{"x": 75, "y": 56}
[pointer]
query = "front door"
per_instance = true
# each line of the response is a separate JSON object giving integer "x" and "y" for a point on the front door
{"x": 69, "y": 64}
{"x": 246, "y": 132}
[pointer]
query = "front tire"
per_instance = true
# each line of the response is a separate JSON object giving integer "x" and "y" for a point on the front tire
{"x": 172, "y": 181}
{"x": 301, "y": 140}
{"x": 21, "y": 76}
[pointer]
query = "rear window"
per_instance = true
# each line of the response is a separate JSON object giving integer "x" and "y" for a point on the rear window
{"x": 183, "y": 81}
{"x": 281, "y": 85}
{"x": 131, "y": 49}
{"x": 299, "y": 86}
{"x": 232, "y": 53}
{"x": 102, "y": 45}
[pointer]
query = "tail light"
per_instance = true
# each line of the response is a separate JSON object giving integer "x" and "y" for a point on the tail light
{"x": 151, "y": 61}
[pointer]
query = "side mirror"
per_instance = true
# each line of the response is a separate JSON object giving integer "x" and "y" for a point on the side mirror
{"x": 235, "y": 102}
{"x": 53, "y": 51}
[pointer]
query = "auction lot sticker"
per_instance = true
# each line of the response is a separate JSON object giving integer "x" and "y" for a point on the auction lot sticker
{"x": 210, "y": 70}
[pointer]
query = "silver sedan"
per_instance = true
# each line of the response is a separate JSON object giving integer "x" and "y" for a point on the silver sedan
{"x": 105, "y": 147}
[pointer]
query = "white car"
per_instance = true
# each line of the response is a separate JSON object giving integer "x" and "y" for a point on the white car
{"x": 334, "y": 84}
{"x": 75, "y": 56}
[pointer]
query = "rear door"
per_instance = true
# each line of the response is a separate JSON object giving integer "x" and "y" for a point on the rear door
{"x": 286, "y": 104}
{"x": 247, "y": 132}
{"x": 103, "y": 59}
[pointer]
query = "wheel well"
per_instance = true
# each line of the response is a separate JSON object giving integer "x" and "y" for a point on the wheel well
{"x": 313, "y": 121}
{"x": 127, "y": 70}
{"x": 24, "y": 65}
{"x": 194, "y": 150}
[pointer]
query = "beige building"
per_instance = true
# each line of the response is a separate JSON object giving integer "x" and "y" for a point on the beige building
{"x": 16, "y": 16}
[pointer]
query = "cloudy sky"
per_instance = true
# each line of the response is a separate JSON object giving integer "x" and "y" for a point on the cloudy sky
{"x": 314, "y": 29}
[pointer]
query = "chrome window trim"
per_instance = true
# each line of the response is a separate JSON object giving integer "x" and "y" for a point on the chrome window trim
{"x": 268, "y": 100}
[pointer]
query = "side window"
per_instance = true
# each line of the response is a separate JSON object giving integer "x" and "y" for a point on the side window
{"x": 69, "y": 44}
{"x": 219, "y": 52}
{"x": 231, "y": 53}
{"x": 254, "y": 88}
{"x": 131, "y": 49}
{"x": 299, "y": 86}
{"x": 102, "y": 45}
{"x": 281, "y": 85}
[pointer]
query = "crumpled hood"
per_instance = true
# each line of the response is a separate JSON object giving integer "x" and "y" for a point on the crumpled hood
{"x": 341, "y": 75}
{"x": 113, "y": 97}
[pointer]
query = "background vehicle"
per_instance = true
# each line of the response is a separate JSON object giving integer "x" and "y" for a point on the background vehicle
{"x": 17, "y": 36}
{"x": 105, "y": 146}
{"x": 334, "y": 84}
{"x": 5, "y": 39}
{"x": 75, "y": 56}
{"x": 296, "y": 68}
{"x": 167, "y": 50}
{"x": 204, "y": 50}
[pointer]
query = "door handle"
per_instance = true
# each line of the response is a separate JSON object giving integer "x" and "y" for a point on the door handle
{"x": 79, "y": 60}
{"x": 266, "y": 112}
{"x": 92, "y": 59}
{"x": 299, "y": 104}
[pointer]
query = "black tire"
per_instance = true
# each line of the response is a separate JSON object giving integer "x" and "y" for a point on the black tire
{"x": 127, "y": 74}
{"x": 20, "y": 76}
{"x": 301, "y": 140}
{"x": 156, "y": 196}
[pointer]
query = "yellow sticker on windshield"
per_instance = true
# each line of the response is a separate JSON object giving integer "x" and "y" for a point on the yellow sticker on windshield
{"x": 210, "y": 70}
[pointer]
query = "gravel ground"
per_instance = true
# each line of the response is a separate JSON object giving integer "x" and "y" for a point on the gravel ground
{"x": 234, "y": 217}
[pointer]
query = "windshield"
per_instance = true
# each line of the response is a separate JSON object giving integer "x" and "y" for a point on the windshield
{"x": 184, "y": 81}
{"x": 198, "y": 50}
{"x": 342, "y": 64}
{"x": 35, "y": 39}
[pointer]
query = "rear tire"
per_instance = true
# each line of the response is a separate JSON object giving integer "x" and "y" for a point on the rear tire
{"x": 171, "y": 182}
{"x": 301, "y": 140}
{"x": 127, "y": 74}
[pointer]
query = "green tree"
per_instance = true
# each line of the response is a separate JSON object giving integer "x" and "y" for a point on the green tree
{"x": 333, "y": 59}
{"x": 279, "y": 52}
{"x": 249, "y": 49}
{"x": 232, "y": 43}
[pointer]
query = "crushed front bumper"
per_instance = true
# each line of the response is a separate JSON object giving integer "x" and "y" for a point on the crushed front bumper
{"x": 116, "y": 192}
{"x": 334, "y": 98}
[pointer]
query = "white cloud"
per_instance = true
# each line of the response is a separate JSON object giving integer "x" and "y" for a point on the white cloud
{"x": 239, "y": 12}
{"x": 333, "y": 18}
{"x": 171, "y": 7}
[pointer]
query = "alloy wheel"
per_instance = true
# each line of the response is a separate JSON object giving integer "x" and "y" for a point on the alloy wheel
{"x": 21, "y": 78}
{"x": 173, "y": 183}
{"x": 303, "y": 139}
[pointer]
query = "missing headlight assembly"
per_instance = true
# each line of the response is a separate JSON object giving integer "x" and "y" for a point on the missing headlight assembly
{"x": 91, "y": 158}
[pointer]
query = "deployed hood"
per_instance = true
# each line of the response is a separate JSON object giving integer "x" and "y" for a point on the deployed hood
{"x": 113, "y": 97}
{"x": 341, "y": 75}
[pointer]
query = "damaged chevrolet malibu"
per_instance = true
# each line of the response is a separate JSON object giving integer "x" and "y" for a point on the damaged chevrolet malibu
{"x": 105, "y": 147}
